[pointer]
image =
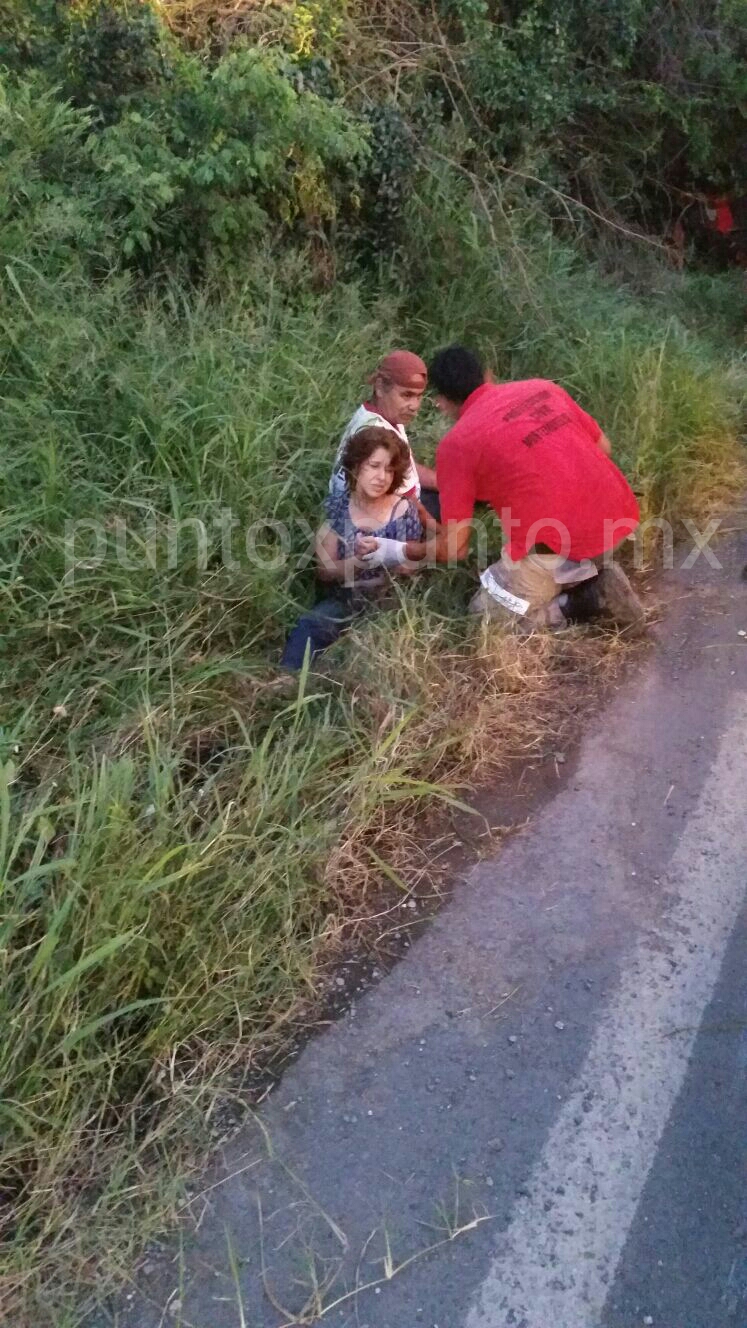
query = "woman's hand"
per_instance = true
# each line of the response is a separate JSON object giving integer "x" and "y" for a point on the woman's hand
{"x": 365, "y": 544}
{"x": 386, "y": 553}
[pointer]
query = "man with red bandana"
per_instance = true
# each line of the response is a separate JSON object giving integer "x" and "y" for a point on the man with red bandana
{"x": 530, "y": 452}
{"x": 397, "y": 384}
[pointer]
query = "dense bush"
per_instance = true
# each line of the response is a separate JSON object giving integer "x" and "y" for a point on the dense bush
{"x": 208, "y": 164}
{"x": 629, "y": 106}
{"x": 223, "y": 155}
{"x": 625, "y": 102}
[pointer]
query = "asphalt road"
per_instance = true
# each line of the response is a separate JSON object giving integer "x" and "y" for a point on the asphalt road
{"x": 538, "y": 1119}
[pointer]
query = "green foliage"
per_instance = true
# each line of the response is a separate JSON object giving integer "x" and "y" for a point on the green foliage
{"x": 623, "y": 103}
{"x": 316, "y": 26}
{"x": 98, "y": 52}
{"x": 388, "y": 179}
{"x": 522, "y": 76}
{"x": 697, "y": 55}
{"x": 31, "y": 32}
{"x": 470, "y": 15}
{"x": 622, "y": 99}
{"x": 224, "y": 155}
{"x": 48, "y": 196}
{"x": 203, "y": 167}
{"x": 113, "y": 50}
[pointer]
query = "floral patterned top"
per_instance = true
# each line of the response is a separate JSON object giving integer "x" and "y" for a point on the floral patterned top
{"x": 405, "y": 526}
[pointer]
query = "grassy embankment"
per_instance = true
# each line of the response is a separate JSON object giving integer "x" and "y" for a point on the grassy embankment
{"x": 164, "y": 919}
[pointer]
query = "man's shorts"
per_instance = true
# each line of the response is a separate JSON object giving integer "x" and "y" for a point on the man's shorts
{"x": 525, "y": 591}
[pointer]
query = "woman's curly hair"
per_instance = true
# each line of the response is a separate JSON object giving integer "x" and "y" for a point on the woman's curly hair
{"x": 364, "y": 443}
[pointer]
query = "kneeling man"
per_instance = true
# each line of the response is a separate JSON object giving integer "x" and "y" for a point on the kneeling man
{"x": 530, "y": 452}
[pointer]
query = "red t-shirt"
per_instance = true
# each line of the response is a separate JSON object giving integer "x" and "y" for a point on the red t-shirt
{"x": 531, "y": 452}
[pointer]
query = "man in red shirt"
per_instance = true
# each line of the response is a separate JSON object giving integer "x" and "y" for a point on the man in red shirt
{"x": 543, "y": 465}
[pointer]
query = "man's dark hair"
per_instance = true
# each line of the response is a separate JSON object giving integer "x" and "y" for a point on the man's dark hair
{"x": 455, "y": 372}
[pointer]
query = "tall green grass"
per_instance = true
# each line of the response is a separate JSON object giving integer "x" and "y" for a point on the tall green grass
{"x": 180, "y": 845}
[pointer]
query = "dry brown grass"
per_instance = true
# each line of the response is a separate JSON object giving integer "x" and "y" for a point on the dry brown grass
{"x": 455, "y": 715}
{"x": 380, "y": 44}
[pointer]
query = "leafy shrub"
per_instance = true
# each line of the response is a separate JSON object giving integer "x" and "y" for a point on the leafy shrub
{"x": 387, "y": 180}
{"x": 112, "y": 52}
{"x": 48, "y": 197}
{"x": 316, "y": 27}
{"x": 624, "y": 103}
{"x": 212, "y": 161}
{"x": 224, "y": 154}
{"x": 31, "y": 32}
{"x": 625, "y": 100}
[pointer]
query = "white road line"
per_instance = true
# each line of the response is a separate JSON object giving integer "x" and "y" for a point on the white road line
{"x": 557, "y": 1259}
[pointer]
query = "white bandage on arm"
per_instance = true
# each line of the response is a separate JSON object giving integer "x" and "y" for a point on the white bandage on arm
{"x": 388, "y": 553}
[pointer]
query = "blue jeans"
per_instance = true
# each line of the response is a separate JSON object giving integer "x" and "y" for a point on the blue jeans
{"x": 318, "y": 629}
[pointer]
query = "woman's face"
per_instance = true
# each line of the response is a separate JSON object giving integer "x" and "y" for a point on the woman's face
{"x": 375, "y": 475}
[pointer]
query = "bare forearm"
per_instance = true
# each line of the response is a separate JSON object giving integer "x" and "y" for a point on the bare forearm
{"x": 427, "y": 476}
{"x": 447, "y": 545}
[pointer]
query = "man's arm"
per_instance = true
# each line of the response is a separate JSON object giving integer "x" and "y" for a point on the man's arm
{"x": 429, "y": 523}
{"x": 605, "y": 444}
{"x": 427, "y": 476}
{"x": 449, "y": 544}
{"x": 456, "y": 485}
{"x": 446, "y": 544}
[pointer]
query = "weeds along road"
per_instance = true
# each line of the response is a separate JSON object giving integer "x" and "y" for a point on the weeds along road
{"x": 539, "y": 1118}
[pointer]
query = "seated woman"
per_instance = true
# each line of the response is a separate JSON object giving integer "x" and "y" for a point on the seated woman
{"x": 397, "y": 387}
{"x": 368, "y": 517}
